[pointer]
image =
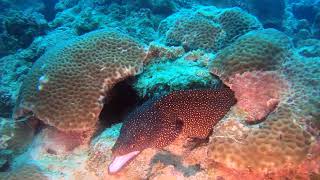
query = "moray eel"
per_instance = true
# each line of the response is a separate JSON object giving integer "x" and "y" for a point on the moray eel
{"x": 159, "y": 121}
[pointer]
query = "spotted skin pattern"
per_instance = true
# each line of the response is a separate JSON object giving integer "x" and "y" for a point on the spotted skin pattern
{"x": 159, "y": 121}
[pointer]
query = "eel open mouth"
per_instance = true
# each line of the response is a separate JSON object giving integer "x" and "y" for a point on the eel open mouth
{"x": 120, "y": 161}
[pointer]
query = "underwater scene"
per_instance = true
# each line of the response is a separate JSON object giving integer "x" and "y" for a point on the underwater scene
{"x": 159, "y": 89}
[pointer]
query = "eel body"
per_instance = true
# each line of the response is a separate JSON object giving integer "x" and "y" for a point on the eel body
{"x": 159, "y": 121}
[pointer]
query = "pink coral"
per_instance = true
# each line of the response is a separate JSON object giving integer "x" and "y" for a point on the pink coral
{"x": 59, "y": 142}
{"x": 258, "y": 93}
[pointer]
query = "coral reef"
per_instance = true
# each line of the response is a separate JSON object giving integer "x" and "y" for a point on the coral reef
{"x": 65, "y": 4}
{"x": 15, "y": 138}
{"x": 76, "y": 59}
{"x": 158, "y": 51}
{"x": 236, "y": 22}
{"x": 56, "y": 82}
{"x": 166, "y": 76}
{"x": 24, "y": 29}
{"x": 316, "y": 26}
{"x": 309, "y": 48}
{"x": 277, "y": 143}
{"x": 229, "y": 3}
{"x": 303, "y": 10}
{"x": 206, "y": 28}
{"x": 270, "y": 13}
{"x": 262, "y": 50}
{"x": 6, "y": 105}
{"x": 165, "y": 7}
{"x": 85, "y": 16}
{"x": 258, "y": 93}
{"x": 196, "y": 33}
{"x": 20, "y": 23}
{"x": 20, "y": 30}
{"x": 303, "y": 75}
{"x": 57, "y": 142}
{"x": 12, "y": 74}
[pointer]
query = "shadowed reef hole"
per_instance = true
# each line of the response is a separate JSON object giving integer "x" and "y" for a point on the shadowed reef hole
{"x": 121, "y": 100}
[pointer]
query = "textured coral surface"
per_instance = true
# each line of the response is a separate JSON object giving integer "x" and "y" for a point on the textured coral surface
{"x": 261, "y": 50}
{"x": 66, "y": 85}
{"x": 304, "y": 75}
{"x": 196, "y": 33}
{"x": 237, "y": 22}
{"x": 258, "y": 93}
{"x": 164, "y": 77}
{"x": 277, "y": 142}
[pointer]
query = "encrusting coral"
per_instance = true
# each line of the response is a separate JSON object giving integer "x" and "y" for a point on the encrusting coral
{"x": 66, "y": 86}
{"x": 258, "y": 93}
{"x": 163, "y": 77}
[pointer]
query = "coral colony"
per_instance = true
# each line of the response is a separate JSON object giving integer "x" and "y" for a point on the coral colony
{"x": 168, "y": 89}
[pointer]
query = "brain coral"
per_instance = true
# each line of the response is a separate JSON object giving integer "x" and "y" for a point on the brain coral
{"x": 278, "y": 142}
{"x": 261, "y": 50}
{"x": 236, "y": 22}
{"x": 66, "y": 86}
{"x": 196, "y": 32}
{"x": 304, "y": 76}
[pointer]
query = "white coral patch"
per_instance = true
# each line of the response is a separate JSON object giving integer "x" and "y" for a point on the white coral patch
{"x": 42, "y": 81}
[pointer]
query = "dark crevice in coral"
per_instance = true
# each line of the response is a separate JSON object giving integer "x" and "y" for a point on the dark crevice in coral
{"x": 6, "y": 105}
{"x": 49, "y": 11}
{"x": 5, "y": 167}
{"x": 118, "y": 103}
{"x": 37, "y": 124}
{"x": 273, "y": 25}
{"x": 194, "y": 143}
{"x": 304, "y": 11}
{"x": 217, "y": 84}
